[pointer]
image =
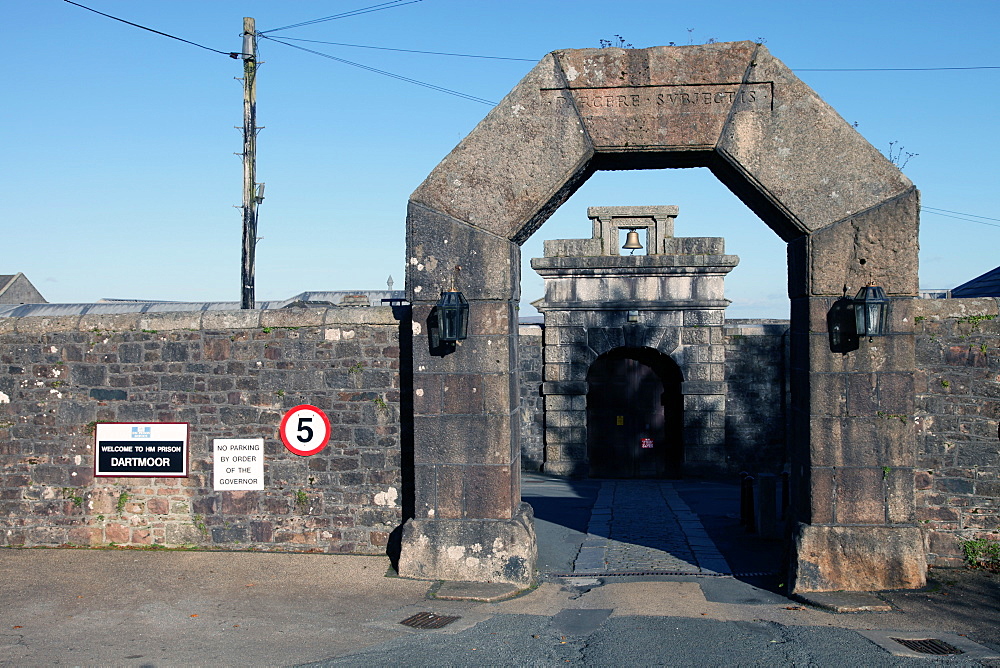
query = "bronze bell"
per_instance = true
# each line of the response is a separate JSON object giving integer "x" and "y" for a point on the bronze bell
{"x": 632, "y": 241}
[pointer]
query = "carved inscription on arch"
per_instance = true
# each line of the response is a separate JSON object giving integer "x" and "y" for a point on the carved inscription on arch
{"x": 690, "y": 115}
{"x": 692, "y": 98}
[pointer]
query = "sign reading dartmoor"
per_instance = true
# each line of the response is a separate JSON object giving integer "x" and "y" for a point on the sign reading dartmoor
{"x": 141, "y": 450}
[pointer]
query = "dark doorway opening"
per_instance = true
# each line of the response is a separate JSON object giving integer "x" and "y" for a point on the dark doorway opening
{"x": 634, "y": 415}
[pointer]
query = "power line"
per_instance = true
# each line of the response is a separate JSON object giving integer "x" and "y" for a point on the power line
{"x": 429, "y": 53}
{"x": 353, "y": 12}
{"x": 400, "y": 3}
{"x": 895, "y": 69}
{"x": 958, "y": 215}
{"x": 417, "y": 82}
{"x": 202, "y": 46}
{"x": 534, "y": 60}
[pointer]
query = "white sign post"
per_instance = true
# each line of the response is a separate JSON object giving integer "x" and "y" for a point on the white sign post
{"x": 239, "y": 463}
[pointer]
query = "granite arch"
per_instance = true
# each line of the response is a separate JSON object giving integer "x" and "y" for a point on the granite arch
{"x": 846, "y": 212}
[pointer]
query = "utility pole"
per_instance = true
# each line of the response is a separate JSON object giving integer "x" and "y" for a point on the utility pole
{"x": 250, "y": 198}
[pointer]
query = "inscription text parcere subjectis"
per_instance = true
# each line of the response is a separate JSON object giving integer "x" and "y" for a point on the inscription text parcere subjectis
{"x": 709, "y": 97}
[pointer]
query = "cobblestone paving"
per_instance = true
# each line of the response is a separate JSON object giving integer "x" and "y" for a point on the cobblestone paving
{"x": 640, "y": 525}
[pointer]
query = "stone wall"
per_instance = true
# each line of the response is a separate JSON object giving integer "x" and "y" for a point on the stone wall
{"x": 228, "y": 375}
{"x": 956, "y": 416}
{"x": 957, "y": 409}
{"x": 756, "y": 395}
{"x": 233, "y": 374}
{"x": 529, "y": 350}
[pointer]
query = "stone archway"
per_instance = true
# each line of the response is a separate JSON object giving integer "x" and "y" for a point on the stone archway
{"x": 847, "y": 214}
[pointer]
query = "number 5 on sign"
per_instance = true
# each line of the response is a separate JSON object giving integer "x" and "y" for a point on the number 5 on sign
{"x": 305, "y": 430}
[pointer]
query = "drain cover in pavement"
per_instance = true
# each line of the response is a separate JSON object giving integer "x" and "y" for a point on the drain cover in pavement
{"x": 925, "y": 644}
{"x": 428, "y": 620}
{"x": 929, "y": 646}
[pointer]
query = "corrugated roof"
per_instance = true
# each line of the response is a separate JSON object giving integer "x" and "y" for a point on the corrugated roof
{"x": 987, "y": 285}
{"x": 334, "y": 297}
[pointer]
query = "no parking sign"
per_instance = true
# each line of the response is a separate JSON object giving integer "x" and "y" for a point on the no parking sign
{"x": 305, "y": 430}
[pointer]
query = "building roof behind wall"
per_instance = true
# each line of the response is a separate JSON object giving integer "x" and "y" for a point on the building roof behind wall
{"x": 352, "y": 298}
{"x": 17, "y": 289}
{"x": 987, "y": 285}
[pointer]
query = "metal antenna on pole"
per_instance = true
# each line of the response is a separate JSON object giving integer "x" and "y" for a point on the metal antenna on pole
{"x": 250, "y": 198}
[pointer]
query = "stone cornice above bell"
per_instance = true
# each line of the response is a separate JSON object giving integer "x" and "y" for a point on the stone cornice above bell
{"x": 632, "y": 265}
{"x": 606, "y": 244}
{"x": 634, "y": 304}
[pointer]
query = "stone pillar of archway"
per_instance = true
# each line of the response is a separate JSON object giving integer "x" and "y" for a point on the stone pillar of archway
{"x": 469, "y": 521}
{"x": 809, "y": 176}
{"x": 855, "y": 478}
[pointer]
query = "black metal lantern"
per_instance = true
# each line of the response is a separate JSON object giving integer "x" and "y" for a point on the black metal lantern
{"x": 453, "y": 316}
{"x": 871, "y": 311}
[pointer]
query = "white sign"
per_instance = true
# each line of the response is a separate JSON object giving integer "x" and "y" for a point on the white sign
{"x": 239, "y": 463}
{"x": 305, "y": 430}
{"x": 141, "y": 449}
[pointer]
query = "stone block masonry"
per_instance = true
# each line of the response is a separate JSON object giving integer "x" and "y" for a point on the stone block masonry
{"x": 233, "y": 374}
{"x": 957, "y": 414}
{"x": 529, "y": 353}
{"x": 756, "y": 370}
{"x": 228, "y": 375}
{"x": 956, "y": 411}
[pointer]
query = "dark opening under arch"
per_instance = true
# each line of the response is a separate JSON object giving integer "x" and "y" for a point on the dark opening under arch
{"x": 635, "y": 426}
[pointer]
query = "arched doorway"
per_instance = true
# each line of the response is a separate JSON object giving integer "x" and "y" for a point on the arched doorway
{"x": 634, "y": 415}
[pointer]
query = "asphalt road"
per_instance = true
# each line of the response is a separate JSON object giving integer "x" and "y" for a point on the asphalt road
{"x": 526, "y": 640}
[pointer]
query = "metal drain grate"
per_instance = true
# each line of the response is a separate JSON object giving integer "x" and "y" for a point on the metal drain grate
{"x": 428, "y": 620}
{"x": 624, "y": 574}
{"x": 929, "y": 646}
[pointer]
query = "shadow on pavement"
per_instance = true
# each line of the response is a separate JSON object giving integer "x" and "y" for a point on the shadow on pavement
{"x": 560, "y": 501}
{"x": 757, "y": 561}
{"x": 562, "y": 511}
{"x": 563, "y": 508}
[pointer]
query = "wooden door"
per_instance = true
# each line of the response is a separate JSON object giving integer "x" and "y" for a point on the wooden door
{"x": 626, "y": 437}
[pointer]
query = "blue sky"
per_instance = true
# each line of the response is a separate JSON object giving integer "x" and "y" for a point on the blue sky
{"x": 119, "y": 176}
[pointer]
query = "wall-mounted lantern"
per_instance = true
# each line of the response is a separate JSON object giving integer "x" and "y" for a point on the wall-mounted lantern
{"x": 871, "y": 311}
{"x": 842, "y": 326}
{"x": 453, "y": 314}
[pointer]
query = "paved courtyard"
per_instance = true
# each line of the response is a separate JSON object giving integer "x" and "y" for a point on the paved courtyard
{"x": 646, "y": 527}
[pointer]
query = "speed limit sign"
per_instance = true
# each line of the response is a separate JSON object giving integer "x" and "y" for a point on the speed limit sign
{"x": 305, "y": 430}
